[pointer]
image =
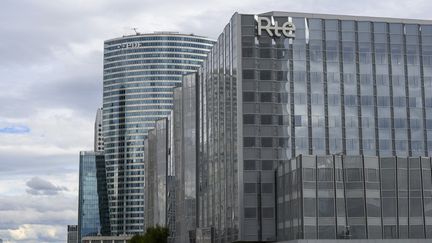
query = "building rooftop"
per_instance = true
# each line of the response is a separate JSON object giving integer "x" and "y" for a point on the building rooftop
{"x": 348, "y": 17}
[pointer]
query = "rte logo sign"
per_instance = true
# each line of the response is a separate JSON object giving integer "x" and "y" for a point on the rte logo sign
{"x": 275, "y": 30}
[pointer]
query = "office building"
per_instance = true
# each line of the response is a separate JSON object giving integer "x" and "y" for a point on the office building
{"x": 185, "y": 154}
{"x": 280, "y": 85}
{"x": 93, "y": 215}
{"x": 159, "y": 174}
{"x": 140, "y": 72}
{"x": 354, "y": 197}
{"x": 155, "y": 150}
{"x": 106, "y": 239}
{"x": 72, "y": 234}
{"x": 98, "y": 136}
{"x": 170, "y": 157}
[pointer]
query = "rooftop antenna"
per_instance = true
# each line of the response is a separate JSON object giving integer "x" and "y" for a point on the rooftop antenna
{"x": 136, "y": 32}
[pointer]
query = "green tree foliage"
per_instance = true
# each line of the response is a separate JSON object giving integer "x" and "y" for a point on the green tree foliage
{"x": 157, "y": 234}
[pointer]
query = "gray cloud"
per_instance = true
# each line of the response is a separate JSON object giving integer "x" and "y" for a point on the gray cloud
{"x": 38, "y": 186}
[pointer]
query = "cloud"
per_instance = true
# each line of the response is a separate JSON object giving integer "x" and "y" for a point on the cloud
{"x": 38, "y": 186}
{"x": 51, "y": 83}
{"x": 37, "y": 233}
{"x": 15, "y": 129}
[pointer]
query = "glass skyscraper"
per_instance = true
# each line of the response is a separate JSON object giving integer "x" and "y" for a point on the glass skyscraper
{"x": 140, "y": 72}
{"x": 325, "y": 85}
{"x": 93, "y": 217}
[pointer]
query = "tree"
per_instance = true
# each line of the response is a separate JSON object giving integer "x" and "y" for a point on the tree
{"x": 137, "y": 239}
{"x": 157, "y": 234}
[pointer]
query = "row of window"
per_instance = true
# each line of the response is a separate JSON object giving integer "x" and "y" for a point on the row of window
{"x": 150, "y": 50}
{"x": 154, "y": 44}
{"x": 128, "y": 74}
{"x": 127, "y": 81}
{"x": 334, "y": 99}
{"x": 152, "y": 56}
{"x": 138, "y": 108}
{"x": 332, "y": 77}
{"x": 265, "y": 142}
{"x": 158, "y": 38}
{"x": 151, "y": 67}
{"x": 167, "y": 61}
{"x": 107, "y": 100}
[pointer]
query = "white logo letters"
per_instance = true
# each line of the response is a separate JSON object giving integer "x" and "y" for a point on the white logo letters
{"x": 264, "y": 23}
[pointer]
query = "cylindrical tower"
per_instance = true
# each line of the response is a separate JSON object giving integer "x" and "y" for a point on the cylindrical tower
{"x": 140, "y": 72}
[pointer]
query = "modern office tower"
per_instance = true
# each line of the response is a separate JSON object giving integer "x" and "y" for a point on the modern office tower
{"x": 355, "y": 197}
{"x": 159, "y": 178}
{"x": 185, "y": 154}
{"x": 72, "y": 234}
{"x": 278, "y": 85}
{"x": 156, "y": 174}
{"x": 93, "y": 215}
{"x": 140, "y": 72}
{"x": 98, "y": 136}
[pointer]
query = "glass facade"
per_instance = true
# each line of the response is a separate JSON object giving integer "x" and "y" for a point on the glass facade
{"x": 344, "y": 85}
{"x": 354, "y": 197}
{"x": 159, "y": 177}
{"x": 140, "y": 72}
{"x": 98, "y": 136}
{"x": 185, "y": 153}
{"x": 219, "y": 154}
{"x": 93, "y": 216}
{"x": 155, "y": 149}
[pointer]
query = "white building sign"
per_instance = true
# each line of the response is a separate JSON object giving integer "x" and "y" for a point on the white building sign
{"x": 274, "y": 29}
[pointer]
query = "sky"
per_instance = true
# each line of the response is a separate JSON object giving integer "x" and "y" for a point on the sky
{"x": 51, "y": 56}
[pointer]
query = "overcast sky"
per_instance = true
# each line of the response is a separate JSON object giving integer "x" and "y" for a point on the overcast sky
{"x": 51, "y": 86}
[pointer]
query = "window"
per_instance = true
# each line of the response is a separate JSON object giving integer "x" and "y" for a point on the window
{"x": 390, "y": 232}
{"x": 325, "y": 174}
{"x": 309, "y": 207}
{"x": 266, "y": 119}
{"x": 373, "y": 207}
{"x": 325, "y": 207}
{"x": 283, "y": 142}
{"x": 267, "y": 187}
{"x": 298, "y": 120}
{"x": 250, "y": 213}
{"x": 267, "y": 142}
{"x": 248, "y": 74}
{"x": 266, "y": 97}
{"x": 249, "y": 142}
{"x": 309, "y": 174}
{"x": 248, "y": 119}
{"x": 248, "y": 96}
{"x": 250, "y": 188}
{"x": 267, "y": 165}
{"x": 265, "y": 75}
{"x": 249, "y": 165}
{"x": 389, "y": 207}
{"x": 354, "y": 174}
{"x": 355, "y": 207}
{"x": 267, "y": 213}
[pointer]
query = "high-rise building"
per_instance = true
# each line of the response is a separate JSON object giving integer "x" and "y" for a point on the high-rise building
{"x": 185, "y": 158}
{"x": 140, "y": 72}
{"x": 98, "y": 135}
{"x": 279, "y": 85}
{"x": 156, "y": 174}
{"x": 159, "y": 177}
{"x": 72, "y": 234}
{"x": 93, "y": 216}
